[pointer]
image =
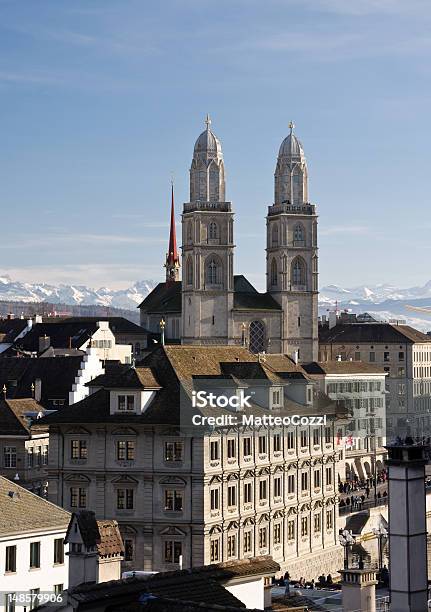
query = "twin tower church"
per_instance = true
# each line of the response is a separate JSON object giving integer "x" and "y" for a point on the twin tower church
{"x": 211, "y": 305}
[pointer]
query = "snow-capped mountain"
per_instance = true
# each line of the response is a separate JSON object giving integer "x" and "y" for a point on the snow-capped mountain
{"x": 74, "y": 294}
{"x": 373, "y": 294}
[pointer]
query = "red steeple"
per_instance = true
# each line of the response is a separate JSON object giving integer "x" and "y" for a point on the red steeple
{"x": 172, "y": 264}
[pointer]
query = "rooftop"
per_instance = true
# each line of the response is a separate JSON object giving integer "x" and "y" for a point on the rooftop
{"x": 13, "y": 420}
{"x": 342, "y": 367}
{"x": 358, "y": 333}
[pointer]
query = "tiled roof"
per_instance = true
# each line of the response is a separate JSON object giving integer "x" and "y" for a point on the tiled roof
{"x": 166, "y": 298}
{"x": 22, "y": 511}
{"x": 57, "y": 375}
{"x": 12, "y": 416}
{"x": 371, "y": 333}
{"x": 11, "y": 328}
{"x": 342, "y": 367}
{"x": 103, "y": 534}
{"x": 128, "y": 377}
{"x": 200, "y": 584}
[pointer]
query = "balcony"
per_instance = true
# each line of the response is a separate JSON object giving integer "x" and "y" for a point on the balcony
{"x": 305, "y": 209}
{"x": 211, "y": 206}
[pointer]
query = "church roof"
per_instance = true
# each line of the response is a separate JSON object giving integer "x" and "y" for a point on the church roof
{"x": 208, "y": 142}
{"x": 291, "y": 145}
{"x": 166, "y": 298}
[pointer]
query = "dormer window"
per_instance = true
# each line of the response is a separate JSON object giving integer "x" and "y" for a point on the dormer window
{"x": 126, "y": 403}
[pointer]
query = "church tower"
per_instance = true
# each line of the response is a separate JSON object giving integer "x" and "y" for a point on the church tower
{"x": 207, "y": 250}
{"x": 291, "y": 254}
{"x": 172, "y": 264}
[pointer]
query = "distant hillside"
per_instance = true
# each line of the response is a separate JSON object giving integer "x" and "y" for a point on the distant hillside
{"x": 28, "y": 309}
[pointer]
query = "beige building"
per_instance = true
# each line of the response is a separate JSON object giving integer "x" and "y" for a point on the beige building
{"x": 361, "y": 388}
{"x": 204, "y": 496}
{"x": 405, "y": 355}
{"x": 211, "y": 305}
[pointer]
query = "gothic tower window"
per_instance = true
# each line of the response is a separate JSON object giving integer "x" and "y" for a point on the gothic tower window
{"x": 298, "y": 233}
{"x": 257, "y": 337}
{"x": 212, "y": 231}
{"x": 189, "y": 271}
{"x": 213, "y": 271}
{"x": 298, "y": 272}
{"x": 189, "y": 232}
{"x": 275, "y": 235}
{"x": 274, "y": 273}
{"x": 213, "y": 182}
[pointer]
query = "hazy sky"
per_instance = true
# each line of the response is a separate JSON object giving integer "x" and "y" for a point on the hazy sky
{"x": 101, "y": 100}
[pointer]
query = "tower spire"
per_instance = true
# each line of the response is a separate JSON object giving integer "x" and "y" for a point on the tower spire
{"x": 172, "y": 264}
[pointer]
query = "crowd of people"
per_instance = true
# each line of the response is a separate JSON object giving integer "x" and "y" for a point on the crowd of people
{"x": 323, "y": 582}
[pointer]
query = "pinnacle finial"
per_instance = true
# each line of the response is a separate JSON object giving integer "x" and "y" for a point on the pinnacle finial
{"x": 208, "y": 121}
{"x": 291, "y": 126}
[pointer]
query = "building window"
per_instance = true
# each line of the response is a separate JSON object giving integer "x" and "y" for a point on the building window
{"x": 9, "y": 457}
{"x": 304, "y": 526}
{"x": 125, "y": 499}
{"x": 78, "y": 449}
{"x": 262, "y": 445}
{"x": 231, "y": 495}
{"x": 214, "y": 450}
{"x": 304, "y": 481}
{"x": 247, "y": 541}
{"x": 215, "y": 499}
{"x": 298, "y": 272}
{"x": 231, "y": 546}
{"x": 78, "y": 497}
{"x": 58, "y": 551}
{"x": 125, "y": 450}
{"x": 277, "y": 533}
{"x": 290, "y": 440}
{"x": 328, "y": 435}
{"x": 212, "y": 231}
{"x": 372, "y": 357}
{"x": 58, "y": 588}
{"x": 248, "y": 492}
{"x": 316, "y": 440}
{"x": 128, "y": 550}
{"x": 174, "y": 451}
{"x": 126, "y": 403}
{"x": 317, "y": 523}
{"x": 276, "y": 397}
{"x": 291, "y": 530}
{"x": 173, "y": 551}
{"x": 9, "y": 602}
{"x": 401, "y": 356}
{"x": 277, "y": 486}
{"x": 10, "y": 564}
{"x": 329, "y": 519}
{"x": 274, "y": 273}
{"x": 213, "y": 271}
{"x": 263, "y": 537}
{"x": 246, "y": 447}
{"x": 34, "y": 603}
{"x": 263, "y": 490}
{"x": 231, "y": 448}
{"x": 34, "y": 555}
{"x": 329, "y": 476}
{"x": 304, "y": 439}
{"x": 291, "y": 483}
{"x": 276, "y": 443}
{"x": 30, "y": 457}
{"x": 274, "y": 237}
{"x": 386, "y": 356}
{"x": 317, "y": 479}
{"x": 173, "y": 500}
{"x": 215, "y": 550}
{"x": 44, "y": 454}
{"x": 257, "y": 337}
{"x": 189, "y": 271}
{"x": 357, "y": 356}
{"x": 298, "y": 233}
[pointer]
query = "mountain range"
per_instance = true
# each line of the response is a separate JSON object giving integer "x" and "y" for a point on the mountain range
{"x": 383, "y": 301}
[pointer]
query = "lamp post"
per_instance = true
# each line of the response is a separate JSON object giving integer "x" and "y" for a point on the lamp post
{"x": 346, "y": 540}
{"x": 162, "y": 328}
{"x": 380, "y": 532}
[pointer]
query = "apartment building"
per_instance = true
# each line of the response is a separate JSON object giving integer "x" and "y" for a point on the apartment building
{"x": 32, "y": 550}
{"x": 405, "y": 355}
{"x": 361, "y": 387}
{"x": 206, "y": 496}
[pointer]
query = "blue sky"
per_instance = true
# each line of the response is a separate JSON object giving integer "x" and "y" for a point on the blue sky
{"x": 101, "y": 100}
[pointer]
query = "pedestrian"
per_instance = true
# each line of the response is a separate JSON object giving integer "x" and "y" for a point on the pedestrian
{"x": 287, "y": 583}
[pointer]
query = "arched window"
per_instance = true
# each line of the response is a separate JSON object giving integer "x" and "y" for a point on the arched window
{"x": 189, "y": 271}
{"x": 274, "y": 274}
{"x": 274, "y": 240}
{"x": 212, "y": 231}
{"x": 298, "y": 272}
{"x": 257, "y": 337}
{"x": 213, "y": 271}
{"x": 298, "y": 233}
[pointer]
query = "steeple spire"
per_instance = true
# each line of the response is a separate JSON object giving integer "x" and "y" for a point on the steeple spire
{"x": 172, "y": 264}
{"x": 208, "y": 121}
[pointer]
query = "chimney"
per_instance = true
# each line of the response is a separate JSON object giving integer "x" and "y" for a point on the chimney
{"x": 11, "y": 316}
{"x": 38, "y": 389}
{"x": 295, "y": 357}
{"x": 44, "y": 343}
{"x": 38, "y": 319}
{"x": 359, "y": 589}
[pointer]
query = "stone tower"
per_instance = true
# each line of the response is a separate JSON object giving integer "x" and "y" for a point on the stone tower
{"x": 291, "y": 254}
{"x": 207, "y": 248}
{"x": 172, "y": 264}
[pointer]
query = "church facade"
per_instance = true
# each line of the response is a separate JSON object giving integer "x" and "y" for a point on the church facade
{"x": 212, "y": 305}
